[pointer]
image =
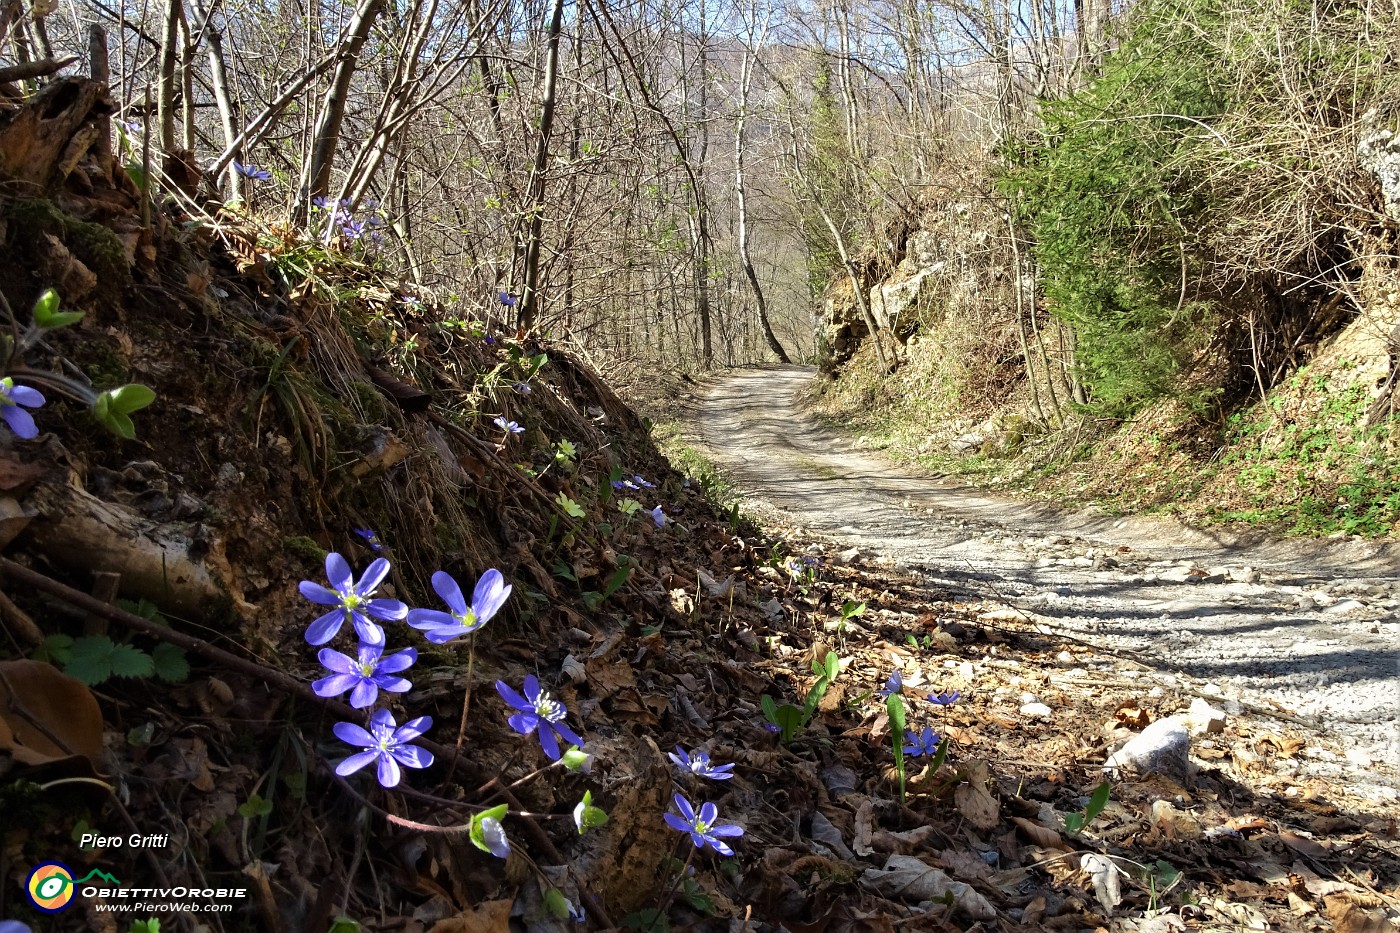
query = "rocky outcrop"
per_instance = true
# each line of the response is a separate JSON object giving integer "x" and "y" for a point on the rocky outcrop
{"x": 1378, "y": 151}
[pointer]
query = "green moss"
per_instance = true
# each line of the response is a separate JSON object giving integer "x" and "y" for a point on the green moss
{"x": 368, "y": 401}
{"x": 94, "y": 245}
{"x": 302, "y": 547}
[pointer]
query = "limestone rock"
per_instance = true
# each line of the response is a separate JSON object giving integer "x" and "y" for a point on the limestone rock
{"x": 1163, "y": 747}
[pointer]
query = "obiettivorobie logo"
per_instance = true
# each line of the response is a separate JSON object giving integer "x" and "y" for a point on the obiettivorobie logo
{"x": 51, "y": 885}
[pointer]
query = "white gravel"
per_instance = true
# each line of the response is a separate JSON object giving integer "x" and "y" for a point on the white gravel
{"x": 1308, "y": 628}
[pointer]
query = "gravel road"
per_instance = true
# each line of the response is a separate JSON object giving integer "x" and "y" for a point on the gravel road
{"x": 1308, "y": 627}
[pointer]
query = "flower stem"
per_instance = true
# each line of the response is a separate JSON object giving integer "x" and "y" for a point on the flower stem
{"x": 671, "y": 893}
{"x": 466, "y": 705}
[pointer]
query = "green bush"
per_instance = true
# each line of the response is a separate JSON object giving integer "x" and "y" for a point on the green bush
{"x": 1109, "y": 194}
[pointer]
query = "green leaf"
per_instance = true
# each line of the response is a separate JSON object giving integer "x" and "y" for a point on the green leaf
{"x": 629, "y": 506}
{"x": 170, "y": 663}
{"x": 936, "y": 761}
{"x": 130, "y": 661}
{"x": 344, "y": 924}
{"x": 144, "y": 926}
{"x": 254, "y": 807}
{"x": 563, "y": 571}
{"x": 575, "y": 759}
{"x": 47, "y": 315}
{"x": 895, "y": 707}
{"x": 770, "y": 709}
{"x": 131, "y": 397}
{"x": 137, "y": 174}
{"x": 91, "y": 659}
{"x": 556, "y": 903}
{"x": 58, "y": 648}
{"x": 615, "y": 582}
{"x": 1097, "y": 802}
{"x": 650, "y": 919}
{"x": 111, "y": 419}
{"x": 569, "y": 506}
{"x": 832, "y": 666}
{"x": 591, "y": 816}
{"x": 789, "y": 720}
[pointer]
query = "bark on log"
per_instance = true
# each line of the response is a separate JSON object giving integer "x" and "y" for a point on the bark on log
{"x": 35, "y": 139}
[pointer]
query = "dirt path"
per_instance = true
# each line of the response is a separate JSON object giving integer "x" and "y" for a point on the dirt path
{"x": 1311, "y": 627}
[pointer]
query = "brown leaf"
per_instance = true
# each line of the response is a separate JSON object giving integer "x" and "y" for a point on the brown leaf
{"x": 47, "y": 716}
{"x": 974, "y": 801}
{"x": 1131, "y": 714}
{"x": 484, "y": 918}
{"x": 1043, "y": 836}
{"x": 1349, "y": 914}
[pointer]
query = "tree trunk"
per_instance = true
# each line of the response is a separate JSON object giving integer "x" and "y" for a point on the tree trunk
{"x": 327, "y": 134}
{"x": 745, "y": 75}
{"x": 534, "y": 221}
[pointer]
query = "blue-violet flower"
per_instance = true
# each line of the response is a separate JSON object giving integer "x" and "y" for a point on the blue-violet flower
{"x": 384, "y": 744}
{"x": 364, "y": 676}
{"x": 371, "y": 538}
{"x": 944, "y": 699}
{"x": 701, "y": 826}
{"x": 252, "y": 172}
{"x": 539, "y": 713}
{"x": 659, "y": 517}
{"x": 351, "y": 601}
{"x": 925, "y": 744}
{"x": 698, "y": 763}
{"x": 11, "y": 398}
{"x": 892, "y": 686}
{"x": 510, "y": 427}
{"x": 487, "y": 598}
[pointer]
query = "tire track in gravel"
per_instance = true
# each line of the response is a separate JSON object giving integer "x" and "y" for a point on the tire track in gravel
{"x": 1309, "y": 625}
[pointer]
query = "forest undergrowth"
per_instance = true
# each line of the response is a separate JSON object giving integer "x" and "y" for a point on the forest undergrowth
{"x": 649, "y": 714}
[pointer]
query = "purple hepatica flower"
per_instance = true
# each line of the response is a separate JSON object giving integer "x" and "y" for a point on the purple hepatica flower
{"x": 698, "y": 763}
{"x": 522, "y": 387}
{"x": 944, "y": 699}
{"x": 926, "y": 744}
{"x": 350, "y": 228}
{"x": 351, "y": 601}
{"x": 252, "y": 172}
{"x": 371, "y": 539}
{"x": 384, "y": 744}
{"x": 772, "y": 727}
{"x": 364, "y": 676}
{"x": 892, "y": 686}
{"x": 623, "y": 484}
{"x": 12, "y": 397}
{"x": 701, "y": 826}
{"x": 643, "y": 483}
{"x": 490, "y": 341}
{"x": 659, "y": 517}
{"x": 538, "y": 712}
{"x": 506, "y": 298}
{"x": 487, "y": 598}
{"x": 510, "y": 427}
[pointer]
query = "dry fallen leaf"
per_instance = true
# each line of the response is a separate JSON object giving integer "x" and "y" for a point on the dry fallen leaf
{"x": 484, "y": 918}
{"x": 47, "y": 716}
{"x": 974, "y": 801}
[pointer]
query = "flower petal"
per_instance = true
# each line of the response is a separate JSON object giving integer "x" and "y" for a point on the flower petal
{"x": 490, "y": 594}
{"x": 337, "y": 663}
{"x": 567, "y": 734}
{"x": 511, "y": 697}
{"x": 364, "y": 694}
{"x": 335, "y": 685}
{"x": 324, "y": 628}
{"x": 389, "y": 772}
{"x": 720, "y": 847}
{"x": 548, "y": 742}
{"x": 367, "y": 631}
{"x": 24, "y": 395}
{"x": 374, "y": 575}
{"x": 392, "y": 684}
{"x": 446, "y": 586}
{"x": 20, "y": 421}
{"x": 727, "y": 829}
{"x": 411, "y": 756}
{"x": 686, "y": 809}
{"x": 524, "y": 723}
{"x": 532, "y": 688}
{"x": 428, "y": 619}
{"x": 676, "y": 822}
{"x": 338, "y": 572}
{"x": 318, "y": 593}
{"x": 398, "y": 661}
{"x": 708, "y": 813}
{"x": 390, "y": 610}
{"x": 413, "y": 729}
{"x": 356, "y": 761}
{"x": 352, "y": 734}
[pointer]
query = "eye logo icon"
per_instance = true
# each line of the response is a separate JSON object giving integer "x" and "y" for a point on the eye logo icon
{"x": 51, "y": 885}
